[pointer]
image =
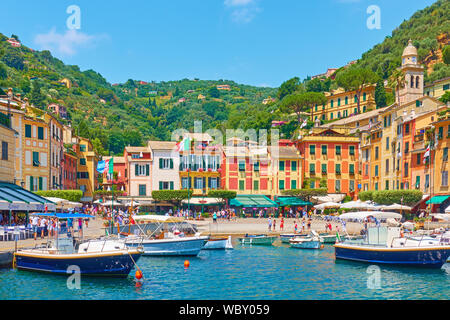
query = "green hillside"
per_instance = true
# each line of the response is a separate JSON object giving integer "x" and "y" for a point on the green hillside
{"x": 430, "y": 31}
{"x": 130, "y": 113}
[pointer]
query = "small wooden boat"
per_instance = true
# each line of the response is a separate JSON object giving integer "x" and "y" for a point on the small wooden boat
{"x": 93, "y": 258}
{"x": 310, "y": 242}
{"x": 222, "y": 243}
{"x": 328, "y": 238}
{"x": 288, "y": 236}
{"x": 260, "y": 239}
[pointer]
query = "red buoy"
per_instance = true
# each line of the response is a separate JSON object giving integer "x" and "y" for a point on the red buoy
{"x": 138, "y": 274}
{"x": 186, "y": 263}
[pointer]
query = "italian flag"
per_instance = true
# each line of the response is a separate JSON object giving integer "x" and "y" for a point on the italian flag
{"x": 183, "y": 145}
{"x": 426, "y": 155}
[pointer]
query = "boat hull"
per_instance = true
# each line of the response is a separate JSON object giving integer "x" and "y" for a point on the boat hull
{"x": 306, "y": 245}
{"x": 218, "y": 244}
{"x": 101, "y": 264}
{"x": 328, "y": 238}
{"x": 262, "y": 241}
{"x": 416, "y": 257}
{"x": 170, "y": 247}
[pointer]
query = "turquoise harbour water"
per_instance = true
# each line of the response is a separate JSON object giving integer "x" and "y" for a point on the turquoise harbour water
{"x": 268, "y": 273}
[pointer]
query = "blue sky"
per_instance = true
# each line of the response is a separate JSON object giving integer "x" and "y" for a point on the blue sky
{"x": 256, "y": 42}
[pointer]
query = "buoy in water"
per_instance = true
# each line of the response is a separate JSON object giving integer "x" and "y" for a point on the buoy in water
{"x": 138, "y": 274}
{"x": 186, "y": 263}
{"x": 322, "y": 246}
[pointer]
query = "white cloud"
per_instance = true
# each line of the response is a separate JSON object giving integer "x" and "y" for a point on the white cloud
{"x": 243, "y": 11}
{"x": 65, "y": 44}
{"x": 234, "y": 3}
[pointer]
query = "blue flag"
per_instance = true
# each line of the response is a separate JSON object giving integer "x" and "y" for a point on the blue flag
{"x": 101, "y": 166}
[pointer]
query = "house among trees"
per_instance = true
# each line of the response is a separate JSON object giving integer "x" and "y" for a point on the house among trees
{"x": 224, "y": 87}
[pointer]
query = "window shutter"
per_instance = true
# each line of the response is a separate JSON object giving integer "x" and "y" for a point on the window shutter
{"x": 160, "y": 185}
{"x": 136, "y": 169}
{"x": 160, "y": 163}
{"x": 147, "y": 169}
{"x": 209, "y": 182}
{"x": 31, "y": 184}
{"x": 171, "y": 185}
{"x": 171, "y": 163}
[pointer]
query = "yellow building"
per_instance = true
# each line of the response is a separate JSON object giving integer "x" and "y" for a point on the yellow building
{"x": 371, "y": 158}
{"x": 86, "y": 169}
{"x": 438, "y": 88}
{"x": 439, "y": 163}
{"x": 13, "y": 105}
{"x": 7, "y": 150}
{"x": 35, "y": 153}
{"x": 285, "y": 169}
{"x": 56, "y": 151}
{"x": 342, "y": 104}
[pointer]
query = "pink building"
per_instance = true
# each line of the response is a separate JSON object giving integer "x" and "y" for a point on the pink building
{"x": 60, "y": 110}
{"x": 138, "y": 166}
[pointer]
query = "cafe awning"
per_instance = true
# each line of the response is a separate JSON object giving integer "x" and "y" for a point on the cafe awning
{"x": 253, "y": 201}
{"x": 292, "y": 201}
{"x": 197, "y": 201}
{"x": 16, "y": 198}
{"x": 438, "y": 199}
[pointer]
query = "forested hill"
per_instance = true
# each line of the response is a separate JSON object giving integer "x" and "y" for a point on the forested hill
{"x": 130, "y": 113}
{"x": 430, "y": 31}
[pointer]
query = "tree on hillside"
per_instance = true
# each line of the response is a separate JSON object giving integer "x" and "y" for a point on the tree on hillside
{"x": 36, "y": 96}
{"x": 380, "y": 94}
{"x": 12, "y": 58}
{"x": 445, "y": 98}
{"x": 397, "y": 81}
{"x": 355, "y": 79}
{"x": 318, "y": 85}
{"x": 3, "y": 72}
{"x": 83, "y": 130}
{"x": 214, "y": 92}
{"x": 446, "y": 54}
{"x": 289, "y": 87}
{"x": 299, "y": 103}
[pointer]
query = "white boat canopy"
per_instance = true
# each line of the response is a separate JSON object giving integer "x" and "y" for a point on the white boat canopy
{"x": 375, "y": 214}
{"x": 359, "y": 205}
{"x": 156, "y": 218}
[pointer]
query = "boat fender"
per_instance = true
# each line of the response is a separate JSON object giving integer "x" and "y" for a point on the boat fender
{"x": 138, "y": 274}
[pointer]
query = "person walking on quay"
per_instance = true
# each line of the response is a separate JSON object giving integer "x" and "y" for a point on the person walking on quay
{"x": 80, "y": 227}
{"x": 270, "y": 223}
{"x": 295, "y": 227}
{"x": 43, "y": 225}
{"x": 34, "y": 224}
{"x": 282, "y": 224}
{"x": 309, "y": 224}
{"x": 274, "y": 224}
{"x": 215, "y": 217}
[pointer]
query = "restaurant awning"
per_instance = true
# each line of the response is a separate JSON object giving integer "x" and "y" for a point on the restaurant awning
{"x": 253, "y": 201}
{"x": 292, "y": 201}
{"x": 197, "y": 201}
{"x": 16, "y": 198}
{"x": 438, "y": 199}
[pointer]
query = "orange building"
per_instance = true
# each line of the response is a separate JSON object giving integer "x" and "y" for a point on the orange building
{"x": 330, "y": 158}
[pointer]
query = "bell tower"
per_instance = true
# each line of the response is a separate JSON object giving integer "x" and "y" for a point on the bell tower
{"x": 413, "y": 86}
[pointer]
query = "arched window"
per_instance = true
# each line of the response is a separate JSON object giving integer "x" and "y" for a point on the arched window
{"x": 356, "y": 98}
{"x": 331, "y": 103}
{"x": 346, "y": 100}
{"x": 412, "y": 81}
{"x": 417, "y": 82}
{"x": 339, "y": 102}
